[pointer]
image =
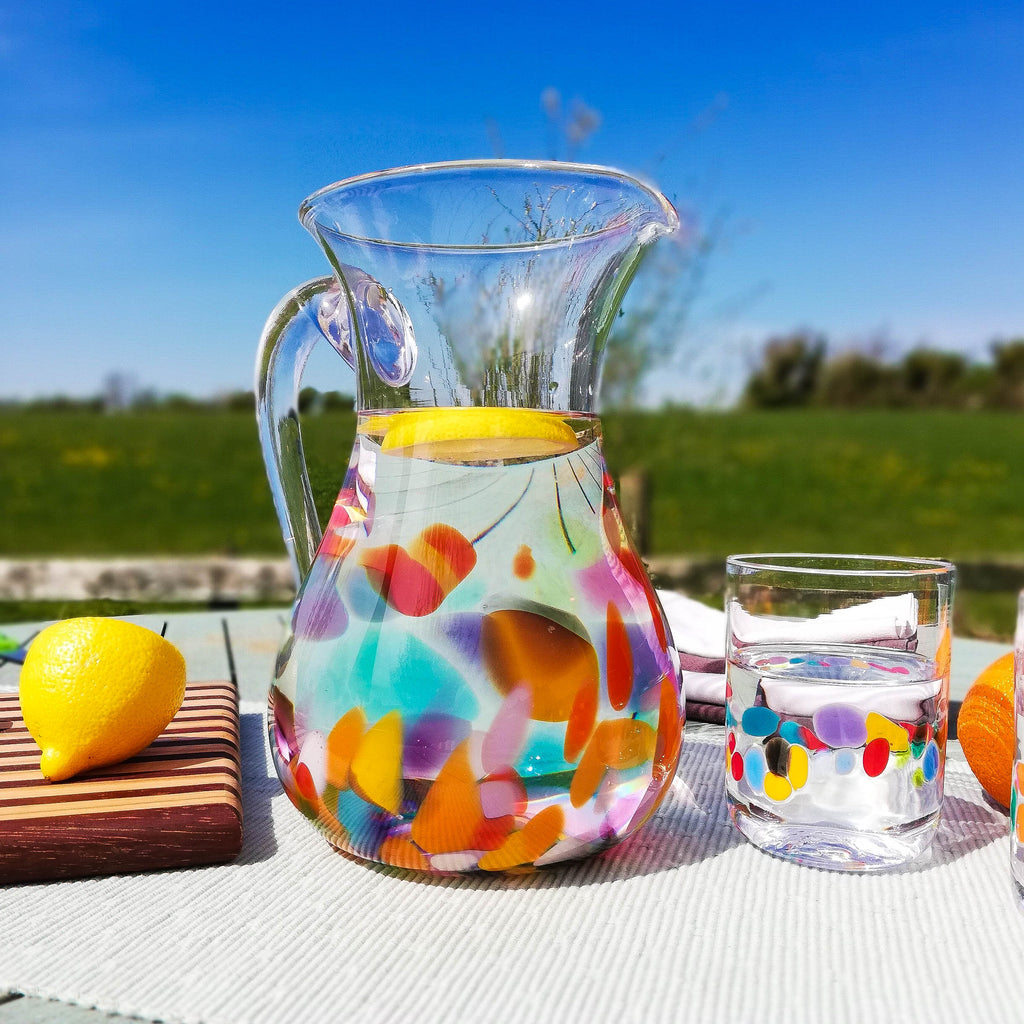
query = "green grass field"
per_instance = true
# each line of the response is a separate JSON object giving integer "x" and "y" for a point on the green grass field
{"x": 932, "y": 483}
{"x": 936, "y": 483}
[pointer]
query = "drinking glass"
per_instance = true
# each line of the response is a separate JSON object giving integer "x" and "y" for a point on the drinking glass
{"x": 836, "y": 702}
{"x": 1017, "y": 779}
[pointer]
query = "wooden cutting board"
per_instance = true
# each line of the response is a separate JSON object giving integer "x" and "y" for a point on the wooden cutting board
{"x": 177, "y": 803}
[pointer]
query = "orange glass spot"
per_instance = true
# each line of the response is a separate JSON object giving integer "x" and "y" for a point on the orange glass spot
{"x": 523, "y": 563}
{"x": 625, "y": 742}
{"x": 401, "y": 853}
{"x": 670, "y": 726}
{"x": 656, "y": 616}
{"x": 586, "y": 780}
{"x": 335, "y": 544}
{"x": 619, "y": 659}
{"x": 537, "y": 836}
{"x": 450, "y": 816}
{"x": 617, "y": 743}
{"x": 529, "y": 649}
{"x": 342, "y": 744}
{"x": 580, "y": 726}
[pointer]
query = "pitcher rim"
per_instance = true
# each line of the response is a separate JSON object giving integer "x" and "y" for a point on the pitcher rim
{"x": 669, "y": 223}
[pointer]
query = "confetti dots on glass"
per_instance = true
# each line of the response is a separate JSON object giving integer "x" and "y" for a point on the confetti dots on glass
{"x": 840, "y": 725}
{"x": 759, "y": 721}
{"x": 755, "y": 768}
{"x": 776, "y": 787}
{"x": 876, "y": 756}
{"x": 799, "y": 767}
{"x": 774, "y": 755}
{"x": 879, "y": 727}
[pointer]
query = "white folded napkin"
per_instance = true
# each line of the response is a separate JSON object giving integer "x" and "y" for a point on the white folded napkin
{"x": 699, "y": 634}
{"x": 696, "y": 628}
{"x": 883, "y": 620}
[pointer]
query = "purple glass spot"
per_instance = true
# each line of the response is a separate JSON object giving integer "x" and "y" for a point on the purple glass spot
{"x": 840, "y": 725}
{"x": 430, "y": 741}
{"x": 322, "y": 618}
{"x": 462, "y": 630}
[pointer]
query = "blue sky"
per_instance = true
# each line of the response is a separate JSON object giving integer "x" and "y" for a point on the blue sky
{"x": 864, "y": 164}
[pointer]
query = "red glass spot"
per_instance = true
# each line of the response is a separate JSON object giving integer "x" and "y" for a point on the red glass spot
{"x": 876, "y": 756}
{"x": 620, "y": 659}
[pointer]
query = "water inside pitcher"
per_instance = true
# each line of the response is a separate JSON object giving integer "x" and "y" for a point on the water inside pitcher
{"x": 477, "y": 675}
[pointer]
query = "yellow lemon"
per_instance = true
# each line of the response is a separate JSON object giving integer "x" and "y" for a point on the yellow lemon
{"x": 96, "y": 691}
{"x": 478, "y": 434}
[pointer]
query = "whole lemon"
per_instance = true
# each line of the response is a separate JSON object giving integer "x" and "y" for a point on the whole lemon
{"x": 985, "y": 728}
{"x": 96, "y": 691}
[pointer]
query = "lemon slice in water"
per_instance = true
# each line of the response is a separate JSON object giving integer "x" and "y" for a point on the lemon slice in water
{"x": 478, "y": 434}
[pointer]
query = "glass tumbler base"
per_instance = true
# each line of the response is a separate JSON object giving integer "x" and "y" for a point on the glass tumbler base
{"x": 831, "y": 847}
{"x": 1018, "y": 891}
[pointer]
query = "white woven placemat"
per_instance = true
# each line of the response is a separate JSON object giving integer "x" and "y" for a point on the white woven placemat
{"x": 684, "y": 922}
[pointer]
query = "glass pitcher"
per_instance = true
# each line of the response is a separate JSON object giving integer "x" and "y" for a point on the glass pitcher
{"x": 477, "y": 674}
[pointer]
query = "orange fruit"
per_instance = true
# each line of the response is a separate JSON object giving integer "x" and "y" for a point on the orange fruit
{"x": 985, "y": 728}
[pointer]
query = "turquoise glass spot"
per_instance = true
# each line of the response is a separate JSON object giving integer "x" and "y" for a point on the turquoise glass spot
{"x": 755, "y": 767}
{"x": 759, "y": 721}
{"x": 792, "y": 733}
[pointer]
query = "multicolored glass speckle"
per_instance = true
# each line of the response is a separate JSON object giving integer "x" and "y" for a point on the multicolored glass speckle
{"x": 478, "y": 674}
{"x": 1017, "y": 772}
{"x": 832, "y": 738}
{"x": 1017, "y": 823}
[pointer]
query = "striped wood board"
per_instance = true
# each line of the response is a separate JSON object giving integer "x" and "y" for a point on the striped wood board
{"x": 177, "y": 803}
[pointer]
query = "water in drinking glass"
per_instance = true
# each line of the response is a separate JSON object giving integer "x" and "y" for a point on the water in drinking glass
{"x": 835, "y": 753}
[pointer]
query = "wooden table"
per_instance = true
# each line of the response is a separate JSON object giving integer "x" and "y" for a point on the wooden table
{"x": 242, "y": 646}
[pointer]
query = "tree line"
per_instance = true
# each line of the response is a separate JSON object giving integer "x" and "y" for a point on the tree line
{"x": 794, "y": 370}
{"x": 798, "y": 370}
{"x": 311, "y": 401}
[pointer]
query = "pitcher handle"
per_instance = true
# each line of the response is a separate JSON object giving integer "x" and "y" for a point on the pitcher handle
{"x": 297, "y": 323}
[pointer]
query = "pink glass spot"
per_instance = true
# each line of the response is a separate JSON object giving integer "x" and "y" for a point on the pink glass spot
{"x": 504, "y": 740}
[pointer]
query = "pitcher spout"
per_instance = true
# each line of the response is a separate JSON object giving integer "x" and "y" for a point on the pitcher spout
{"x": 489, "y": 283}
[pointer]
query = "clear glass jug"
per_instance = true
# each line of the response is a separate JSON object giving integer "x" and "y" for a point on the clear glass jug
{"x": 477, "y": 675}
